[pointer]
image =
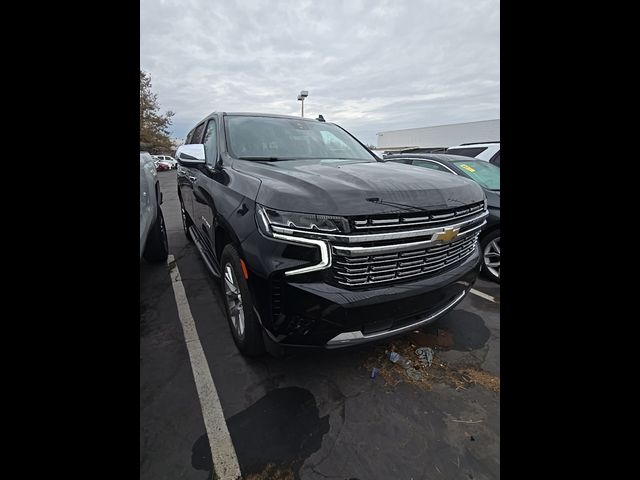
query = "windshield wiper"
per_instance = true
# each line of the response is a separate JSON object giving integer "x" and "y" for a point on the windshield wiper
{"x": 348, "y": 158}
{"x": 275, "y": 159}
{"x": 268, "y": 159}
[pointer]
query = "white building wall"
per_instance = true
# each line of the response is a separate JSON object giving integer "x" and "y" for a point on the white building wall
{"x": 442, "y": 135}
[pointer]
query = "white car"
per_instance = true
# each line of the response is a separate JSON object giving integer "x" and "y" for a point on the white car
{"x": 489, "y": 152}
{"x": 153, "y": 233}
{"x": 172, "y": 162}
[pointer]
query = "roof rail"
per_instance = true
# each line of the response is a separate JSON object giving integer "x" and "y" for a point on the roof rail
{"x": 475, "y": 143}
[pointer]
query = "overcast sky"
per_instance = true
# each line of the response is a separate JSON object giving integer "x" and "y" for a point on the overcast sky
{"x": 369, "y": 65}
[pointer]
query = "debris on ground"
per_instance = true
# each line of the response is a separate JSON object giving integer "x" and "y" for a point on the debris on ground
{"x": 398, "y": 359}
{"x": 414, "y": 374}
{"x": 480, "y": 377}
{"x": 466, "y": 421}
{"x": 374, "y": 372}
{"x": 425, "y": 354}
{"x": 271, "y": 472}
{"x": 392, "y": 363}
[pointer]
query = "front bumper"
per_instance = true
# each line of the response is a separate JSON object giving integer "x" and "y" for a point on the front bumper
{"x": 356, "y": 337}
{"x": 309, "y": 311}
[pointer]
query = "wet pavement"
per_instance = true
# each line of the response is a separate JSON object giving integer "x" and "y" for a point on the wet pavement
{"x": 312, "y": 415}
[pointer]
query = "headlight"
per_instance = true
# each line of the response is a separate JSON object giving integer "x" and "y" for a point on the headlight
{"x": 268, "y": 217}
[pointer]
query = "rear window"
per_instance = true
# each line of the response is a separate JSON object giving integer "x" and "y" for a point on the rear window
{"x": 485, "y": 173}
{"x": 467, "y": 152}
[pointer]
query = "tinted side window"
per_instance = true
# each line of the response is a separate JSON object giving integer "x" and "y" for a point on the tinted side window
{"x": 431, "y": 165}
{"x": 197, "y": 134}
{"x": 401, "y": 160}
{"x": 211, "y": 143}
{"x": 496, "y": 159}
{"x": 467, "y": 152}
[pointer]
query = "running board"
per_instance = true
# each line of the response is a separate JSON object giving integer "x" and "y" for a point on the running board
{"x": 196, "y": 240}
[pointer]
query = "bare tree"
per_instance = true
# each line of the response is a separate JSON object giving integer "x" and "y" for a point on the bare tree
{"x": 154, "y": 125}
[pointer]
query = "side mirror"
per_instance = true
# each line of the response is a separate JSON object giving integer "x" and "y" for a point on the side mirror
{"x": 192, "y": 154}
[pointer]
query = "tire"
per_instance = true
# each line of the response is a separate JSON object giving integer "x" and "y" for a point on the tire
{"x": 248, "y": 337}
{"x": 186, "y": 221}
{"x": 490, "y": 251}
{"x": 157, "y": 247}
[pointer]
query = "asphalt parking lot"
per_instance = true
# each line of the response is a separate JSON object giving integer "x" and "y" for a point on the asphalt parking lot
{"x": 315, "y": 416}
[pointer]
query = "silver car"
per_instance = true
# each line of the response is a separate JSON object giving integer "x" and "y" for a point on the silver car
{"x": 153, "y": 233}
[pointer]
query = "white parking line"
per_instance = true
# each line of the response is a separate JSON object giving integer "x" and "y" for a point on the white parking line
{"x": 483, "y": 295}
{"x": 225, "y": 460}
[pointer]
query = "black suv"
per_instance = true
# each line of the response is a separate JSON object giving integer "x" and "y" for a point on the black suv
{"x": 318, "y": 243}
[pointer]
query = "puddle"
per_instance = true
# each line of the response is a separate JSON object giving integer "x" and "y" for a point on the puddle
{"x": 276, "y": 434}
{"x": 467, "y": 330}
{"x": 460, "y": 330}
{"x": 201, "y": 455}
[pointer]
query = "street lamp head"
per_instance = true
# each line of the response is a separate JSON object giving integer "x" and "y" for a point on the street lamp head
{"x": 300, "y": 97}
{"x": 304, "y": 93}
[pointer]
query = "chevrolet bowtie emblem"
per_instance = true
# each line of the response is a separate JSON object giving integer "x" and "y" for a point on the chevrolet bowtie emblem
{"x": 448, "y": 234}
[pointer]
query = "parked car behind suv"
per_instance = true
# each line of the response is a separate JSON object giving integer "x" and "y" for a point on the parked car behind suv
{"x": 167, "y": 159}
{"x": 316, "y": 241}
{"x": 488, "y": 176}
{"x": 153, "y": 234}
{"x": 489, "y": 152}
{"x": 161, "y": 166}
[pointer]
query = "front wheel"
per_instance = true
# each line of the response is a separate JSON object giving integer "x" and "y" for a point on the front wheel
{"x": 245, "y": 328}
{"x": 157, "y": 248}
{"x": 490, "y": 248}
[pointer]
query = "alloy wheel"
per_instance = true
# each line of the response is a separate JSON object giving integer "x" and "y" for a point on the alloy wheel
{"x": 492, "y": 257}
{"x": 234, "y": 300}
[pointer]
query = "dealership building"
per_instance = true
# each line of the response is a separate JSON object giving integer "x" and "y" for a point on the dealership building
{"x": 440, "y": 136}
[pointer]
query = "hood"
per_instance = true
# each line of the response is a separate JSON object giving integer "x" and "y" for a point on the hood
{"x": 493, "y": 198}
{"x": 342, "y": 187}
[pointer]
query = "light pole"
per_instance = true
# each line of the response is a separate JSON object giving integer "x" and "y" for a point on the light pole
{"x": 303, "y": 94}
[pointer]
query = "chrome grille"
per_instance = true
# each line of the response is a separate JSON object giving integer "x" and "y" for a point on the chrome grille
{"x": 399, "y": 250}
{"x": 414, "y": 220}
{"x": 362, "y": 270}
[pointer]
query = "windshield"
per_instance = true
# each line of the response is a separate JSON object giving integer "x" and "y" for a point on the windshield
{"x": 484, "y": 173}
{"x": 272, "y": 138}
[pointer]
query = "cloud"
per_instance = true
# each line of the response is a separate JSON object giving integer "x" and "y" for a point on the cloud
{"x": 369, "y": 66}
